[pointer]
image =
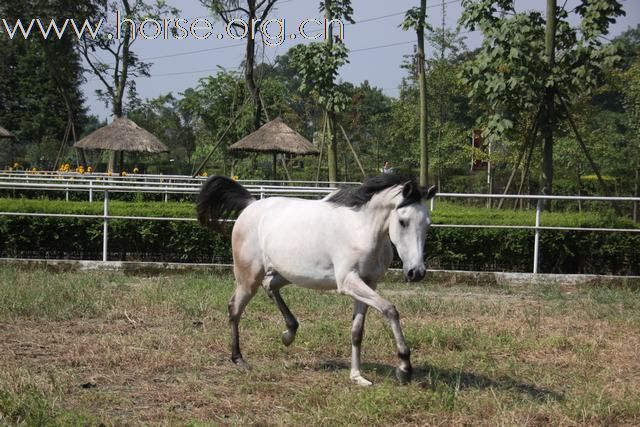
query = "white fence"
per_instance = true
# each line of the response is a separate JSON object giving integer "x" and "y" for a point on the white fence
{"x": 161, "y": 184}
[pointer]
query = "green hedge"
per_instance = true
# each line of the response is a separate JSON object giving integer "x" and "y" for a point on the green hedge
{"x": 450, "y": 248}
{"x": 29, "y": 237}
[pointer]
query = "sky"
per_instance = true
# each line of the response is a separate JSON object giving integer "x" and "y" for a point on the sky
{"x": 377, "y": 44}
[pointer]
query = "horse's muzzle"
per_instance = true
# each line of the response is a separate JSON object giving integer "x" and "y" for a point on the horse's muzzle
{"x": 415, "y": 274}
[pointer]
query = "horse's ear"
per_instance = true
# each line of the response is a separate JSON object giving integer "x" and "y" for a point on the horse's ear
{"x": 409, "y": 190}
{"x": 410, "y": 194}
{"x": 429, "y": 193}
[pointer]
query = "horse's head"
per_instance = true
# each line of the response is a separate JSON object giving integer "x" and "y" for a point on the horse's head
{"x": 408, "y": 226}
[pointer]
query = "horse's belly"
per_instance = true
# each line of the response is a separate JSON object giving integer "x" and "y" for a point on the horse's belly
{"x": 312, "y": 275}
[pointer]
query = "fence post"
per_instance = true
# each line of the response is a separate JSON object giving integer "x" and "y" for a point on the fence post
{"x": 91, "y": 191}
{"x": 105, "y": 227}
{"x": 261, "y": 192}
{"x": 433, "y": 203}
{"x": 536, "y": 240}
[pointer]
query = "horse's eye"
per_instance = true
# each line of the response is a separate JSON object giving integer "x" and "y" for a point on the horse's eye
{"x": 403, "y": 223}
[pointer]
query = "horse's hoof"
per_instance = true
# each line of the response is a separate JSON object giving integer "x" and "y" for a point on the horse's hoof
{"x": 288, "y": 337}
{"x": 242, "y": 365}
{"x": 403, "y": 376}
{"x": 361, "y": 381}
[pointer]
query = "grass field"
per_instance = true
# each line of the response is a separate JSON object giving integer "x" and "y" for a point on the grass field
{"x": 113, "y": 349}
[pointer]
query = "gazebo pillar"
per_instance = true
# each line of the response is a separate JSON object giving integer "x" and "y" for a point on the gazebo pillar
{"x": 275, "y": 165}
{"x": 112, "y": 160}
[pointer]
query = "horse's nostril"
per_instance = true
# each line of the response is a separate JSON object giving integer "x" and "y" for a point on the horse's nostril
{"x": 411, "y": 274}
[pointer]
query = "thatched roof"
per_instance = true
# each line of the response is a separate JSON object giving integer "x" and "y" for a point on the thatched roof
{"x": 122, "y": 135}
{"x": 275, "y": 137}
{"x": 5, "y": 133}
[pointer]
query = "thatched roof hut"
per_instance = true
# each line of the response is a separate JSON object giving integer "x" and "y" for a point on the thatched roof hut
{"x": 275, "y": 137}
{"x": 122, "y": 135}
{"x": 5, "y": 133}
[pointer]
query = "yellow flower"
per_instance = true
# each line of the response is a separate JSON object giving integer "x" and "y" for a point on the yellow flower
{"x": 136, "y": 170}
{"x": 109, "y": 173}
{"x": 123, "y": 173}
{"x": 235, "y": 177}
{"x": 205, "y": 174}
{"x": 16, "y": 165}
{"x": 89, "y": 169}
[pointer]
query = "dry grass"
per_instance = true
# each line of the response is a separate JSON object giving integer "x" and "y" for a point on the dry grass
{"x": 106, "y": 348}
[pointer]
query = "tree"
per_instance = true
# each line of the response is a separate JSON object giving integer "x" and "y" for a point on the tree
{"x": 415, "y": 19}
{"x": 217, "y": 103}
{"x": 446, "y": 92}
{"x": 118, "y": 74}
{"x": 318, "y": 64}
{"x": 40, "y": 82}
{"x": 164, "y": 117}
{"x": 252, "y": 15}
{"x": 517, "y": 74}
{"x": 632, "y": 105}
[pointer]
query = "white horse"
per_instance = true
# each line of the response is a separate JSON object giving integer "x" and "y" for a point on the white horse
{"x": 341, "y": 242}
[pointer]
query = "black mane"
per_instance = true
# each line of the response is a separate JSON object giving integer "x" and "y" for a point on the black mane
{"x": 354, "y": 197}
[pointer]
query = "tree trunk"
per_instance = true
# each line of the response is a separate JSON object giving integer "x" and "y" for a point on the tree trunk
{"x": 121, "y": 80}
{"x": 249, "y": 69}
{"x": 547, "y": 131}
{"x": 332, "y": 146}
{"x": 424, "y": 124}
{"x": 121, "y": 85}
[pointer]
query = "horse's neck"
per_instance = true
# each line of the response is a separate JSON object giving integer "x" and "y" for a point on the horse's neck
{"x": 376, "y": 213}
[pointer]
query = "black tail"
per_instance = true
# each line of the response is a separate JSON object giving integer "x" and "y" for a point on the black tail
{"x": 220, "y": 198}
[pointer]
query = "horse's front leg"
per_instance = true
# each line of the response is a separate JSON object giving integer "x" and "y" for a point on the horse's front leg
{"x": 354, "y": 286}
{"x": 357, "y": 333}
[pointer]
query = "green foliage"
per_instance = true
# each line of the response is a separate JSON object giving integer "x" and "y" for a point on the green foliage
{"x": 318, "y": 65}
{"x": 412, "y": 20}
{"x": 508, "y": 249}
{"x": 164, "y": 117}
{"x": 129, "y": 240}
{"x": 117, "y": 75}
{"x": 40, "y": 84}
{"x": 340, "y": 9}
{"x": 510, "y": 74}
{"x": 494, "y": 249}
{"x": 631, "y": 79}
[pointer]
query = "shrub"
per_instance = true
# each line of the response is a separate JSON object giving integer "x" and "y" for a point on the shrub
{"x": 457, "y": 248}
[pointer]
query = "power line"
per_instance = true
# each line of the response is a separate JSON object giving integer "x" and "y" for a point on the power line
{"x": 192, "y": 52}
{"x": 377, "y": 18}
{"x": 372, "y": 19}
{"x": 384, "y": 46}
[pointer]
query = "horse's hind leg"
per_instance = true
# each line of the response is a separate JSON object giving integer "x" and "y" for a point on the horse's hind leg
{"x": 237, "y": 304}
{"x": 248, "y": 276}
{"x": 272, "y": 283}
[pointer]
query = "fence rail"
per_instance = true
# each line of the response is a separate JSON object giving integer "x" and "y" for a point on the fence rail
{"x": 161, "y": 184}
